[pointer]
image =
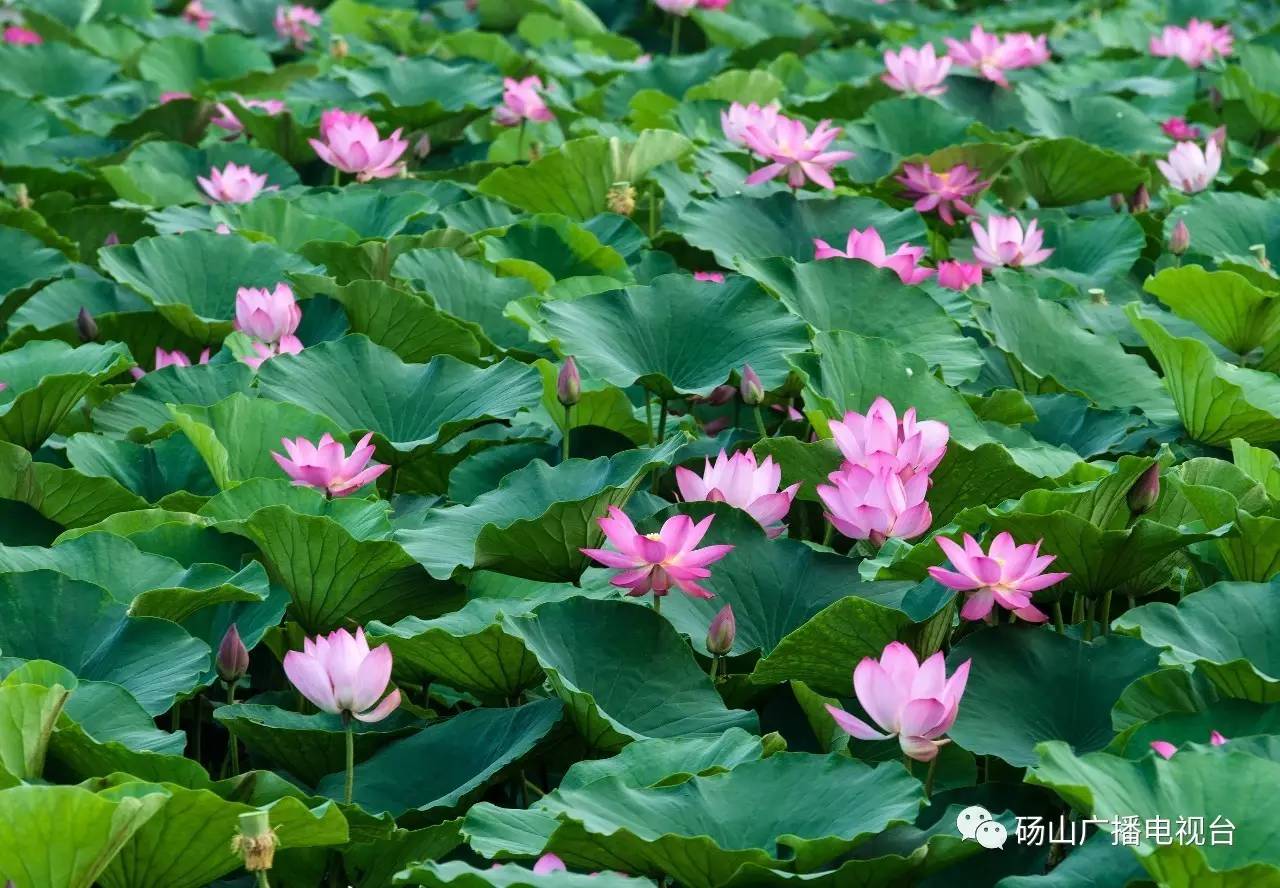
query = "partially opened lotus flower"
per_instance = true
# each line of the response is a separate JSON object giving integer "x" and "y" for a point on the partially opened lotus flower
{"x": 227, "y": 120}
{"x": 234, "y": 184}
{"x": 737, "y": 118}
{"x": 340, "y": 674}
{"x": 712, "y": 277}
{"x": 1166, "y": 750}
{"x": 916, "y": 71}
{"x": 522, "y": 100}
{"x": 869, "y": 247}
{"x": 676, "y": 7}
{"x": 656, "y": 562}
{"x": 1179, "y": 130}
{"x": 294, "y": 23}
{"x": 351, "y": 144}
{"x": 1190, "y": 168}
{"x": 794, "y": 152}
{"x": 992, "y": 55}
{"x": 548, "y": 863}
{"x": 326, "y": 466}
{"x": 263, "y": 351}
{"x": 1003, "y": 242}
{"x": 879, "y": 440}
{"x": 195, "y": 13}
{"x": 905, "y": 698}
{"x": 876, "y": 505}
{"x": 267, "y": 315}
{"x": 1007, "y": 574}
{"x": 741, "y": 482}
{"x": 167, "y": 97}
{"x": 956, "y": 275}
{"x": 1196, "y": 44}
{"x": 173, "y": 358}
{"x": 15, "y": 35}
{"x": 945, "y": 192}
{"x": 712, "y": 4}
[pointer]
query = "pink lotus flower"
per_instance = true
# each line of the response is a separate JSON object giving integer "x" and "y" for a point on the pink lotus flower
{"x": 169, "y": 359}
{"x": 339, "y": 674}
{"x": 715, "y": 277}
{"x": 876, "y": 505}
{"x": 267, "y": 315}
{"x": 655, "y": 562}
{"x": 1199, "y": 42}
{"x": 712, "y": 4}
{"x": 19, "y": 36}
{"x": 228, "y": 121}
{"x": 1006, "y": 575}
{"x": 262, "y": 351}
{"x": 325, "y": 466}
{"x": 791, "y": 149}
{"x": 956, "y": 275}
{"x": 868, "y": 246}
{"x": 1003, "y": 242}
{"x": 195, "y": 13}
{"x": 1190, "y": 168}
{"x": 521, "y": 100}
{"x": 167, "y": 97}
{"x": 992, "y": 56}
{"x": 913, "y": 701}
{"x": 1179, "y": 130}
{"x": 1165, "y": 749}
{"x": 916, "y": 71}
{"x": 234, "y": 184}
{"x": 294, "y": 23}
{"x": 548, "y": 863}
{"x": 879, "y": 441}
{"x": 676, "y": 7}
{"x": 735, "y": 121}
{"x": 351, "y": 144}
{"x": 740, "y": 482}
{"x": 941, "y": 191}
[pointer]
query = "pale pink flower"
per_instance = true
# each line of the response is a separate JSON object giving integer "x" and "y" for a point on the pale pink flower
{"x": 941, "y": 191}
{"x": 1190, "y": 168}
{"x": 228, "y": 121}
{"x": 173, "y": 358}
{"x": 167, "y": 97}
{"x": 1003, "y": 242}
{"x": 1165, "y": 749}
{"x": 792, "y": 150}
{"x": 294, "y": 23}
{"x": 1199, "y": 42}
{"x": 655, "y": 562}
{"x": 521, "y": 100}
{"x": 956, "y": 275}
{"x": 869, "y": 247}
{"x": 715, "y": 277}
{"x": 234, "y": 184}
{"x": 549, "y": 863}
{"x": 876, "y": 505}
{"x": 339, "y": 674}
{"x": 742, "y": 483}
{"x": 879, "y": 440}
{"x": 992, "y": 55}
{"x": 916, "y": 71}
{"x": 19, "y": 36}
{"x": 262, "y": 351}
{"x": 1179, "y": 130}
{"x": 1006, "y": 575}
{"x": 913, "y": 701}
{"x": 267, "y": 315}
{"x": 351, "y": 144}
{"x": 737, "y": 118}
{"x": 677, "y": 7}
{"x": 325, "y": 466}
{"x": 195, "y": 13}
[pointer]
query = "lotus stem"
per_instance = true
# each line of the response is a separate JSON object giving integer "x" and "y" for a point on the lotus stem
{"x": 337, "y": 178}
{"x": 520, "y": 139}
{"x": 675, "y": 36}
{"x": 662, "y": 422}
{"x": 1057, "y": 617}
{"x": 928, "y": 779}
{"x": 657, "y": 604}
{"x": 1106, "y": 612}
{"x": 568, "y": 427}
{"x": 231, "y": 738}
{"x": 392, "y": 479}
{"x": 350, "y": 788}
{"x": 760, "y": 422}
{"x": 715, "y": 666}
{"x": 648, "y": 416}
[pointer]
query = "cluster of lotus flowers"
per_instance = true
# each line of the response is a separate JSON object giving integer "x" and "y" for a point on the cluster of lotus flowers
{"x": 922, "y": 72}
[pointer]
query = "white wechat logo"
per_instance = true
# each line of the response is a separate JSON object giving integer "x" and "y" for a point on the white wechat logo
{"x": 992, "y": 834}
{"x": 970, "y": 819}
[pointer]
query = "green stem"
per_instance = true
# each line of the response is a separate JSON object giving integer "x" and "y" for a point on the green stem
{"x": 657, "y": 603}
{"x": 760, "y": 422}
{"x": 675, "y": 36}
{"x": 662, "y": 422}
{"x": 261, "y": 877}
{"x": 337, "y": 178}
{"x": 520, "y": 139}
{"x": 828, "y": 534}
{"x": 1057, "y": 617}
{"x": 568, "y": 427}
{"x": 350, "y": 789}
{"x": 648, "y": 416}
{"x": 530, "y": 785}
{"x": 1106, "y": 612}
{"x": 715, "y": 667}
{"x": 392, "y": 479}
{"x": 197, "y": 742}
{"x": 235, "y": 745}
{"x": 1088, "y": 621}
{"x": 928, "y": 780}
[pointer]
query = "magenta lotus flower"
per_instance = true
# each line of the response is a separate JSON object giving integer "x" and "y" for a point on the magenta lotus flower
{"x": 1006, "y": 575}
{"x": 351, "y": 144}
{"x": 19, "y": 36}
{"x": 721, "y": 631}
{"x": 339, "y": 674}
{"x": 1003, "y": 242}
{"x": 1179, "y": 130}
{"x": 234, "y": 184}
{"x": 1196, "y": 44}
{"x": 265, "y": 351}
{"x": 876, "y": 505}
{"x": 548, "y": 863}
{"x": 1165, "y": 749}
{"x": 294, "y": 23}
{"x": 195, "y": 13}
{"x": 655, "y": 562}
{"x": 879, "y": 440}
{"x": 956, "y": 275}
{"x": 676, "y": 7}
{"x": 735, "y": 121}
{"x": 167, "y": 97}
{"x": 232, "y": 661}
{"x": 742, "y": 483}
{"x": 227, "y": 120}
{"x": 1190, "y": 168}
{"x": 907, "y": 699}
{"x": 869, "y": 247}
{"x": 916, "y": 71}
{"x": 712, "y": 4}
{"x": 522, "y": 100}
{"x": 943, "y": 192}
{"x": 170, "y": 359}
{"x": 792, "y": 150}
{"x": 267, "y": 315}
{"x": 992, "y": 56}
{"x": 326, "y": 466}
{"x": 715, "y": 277}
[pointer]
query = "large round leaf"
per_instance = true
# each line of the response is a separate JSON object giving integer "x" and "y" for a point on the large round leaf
{"x": 45, "y": 380}
{"x": 164, "y": 173}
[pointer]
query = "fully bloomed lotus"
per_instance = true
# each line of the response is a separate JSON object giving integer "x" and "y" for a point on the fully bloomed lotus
{"x": 794, "y": 152}
{"x": 1190, "y": 168}
{"x": 868, "y": 246}
{"x": 907, "y": 699}
{"x": 655, "y": 562}
{"x": 741, "y": 482}
{"x": 326, "y": 466}
{"x": 294, "y": 23}
{"x": 350, "y": 143}
{"x": 945, "y": 192}
{"x": 916, "y": 71}
{"x": 227, "y": 120}
{"x": 267, "y": 315}
{"x": 234, "y": 184}
{"x": 992, "y": 55}
{"x": 1196, "y": 44}
{"x": 878, "y": 440}
{"x": 173, "y": 358}
{"x": 521, "y": 101}
{"x": 735, "y": 121}
{"x": 876, "y": 505}
{"x": 1006, "y": 574}
{"x": 1003, "y": 242}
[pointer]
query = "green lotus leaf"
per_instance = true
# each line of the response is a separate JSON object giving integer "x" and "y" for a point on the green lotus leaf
{"x": 409, "y": 324}
{"x": 160, "y": 174}
{"x": 53, "y": 69}
{"x": 1224, "y": 304}
{"x": 63, "y": 496}
{"x": 26, "y": 261}
{"x": 1226, "y": 225}
{"x": 1061, "y": 172}
{"x": 143, "y": 410}
{"x": 282, "y": 221}
{"x": 28, "y": 715}
{"x": 1090, "y": 253}
{"x": 182, "y": 63}
{"x": 44, "y": 381}
{"x": 1102, "y": 120}
{"x": 152, "y": 471}
{"x": 457, "y": 874}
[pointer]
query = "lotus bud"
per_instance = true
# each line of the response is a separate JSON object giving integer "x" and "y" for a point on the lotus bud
{"x": 1260, "y": 251}
{"x": 721, "y": 632}
{"x": 1219, "y": 135}
{"x": 720, "y": 395}
{"x": 751, "y": 388}
{"x": 1179, "y": 238}
{"x": 256, "y": 843}
{"x": 1117, "y": 202}
{"x": 569, "y": 383}
{"x": 111, "y": 240}
{"x": 86, "y": 326}
{"x": 1216, "y": 738}
{"x": 622, "y": 198}
{"x": 1145, "y": 491}
{"x": 233, "y": 656}
{"x": 1141, "y": 200}
{"x": 422, "y": 147}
